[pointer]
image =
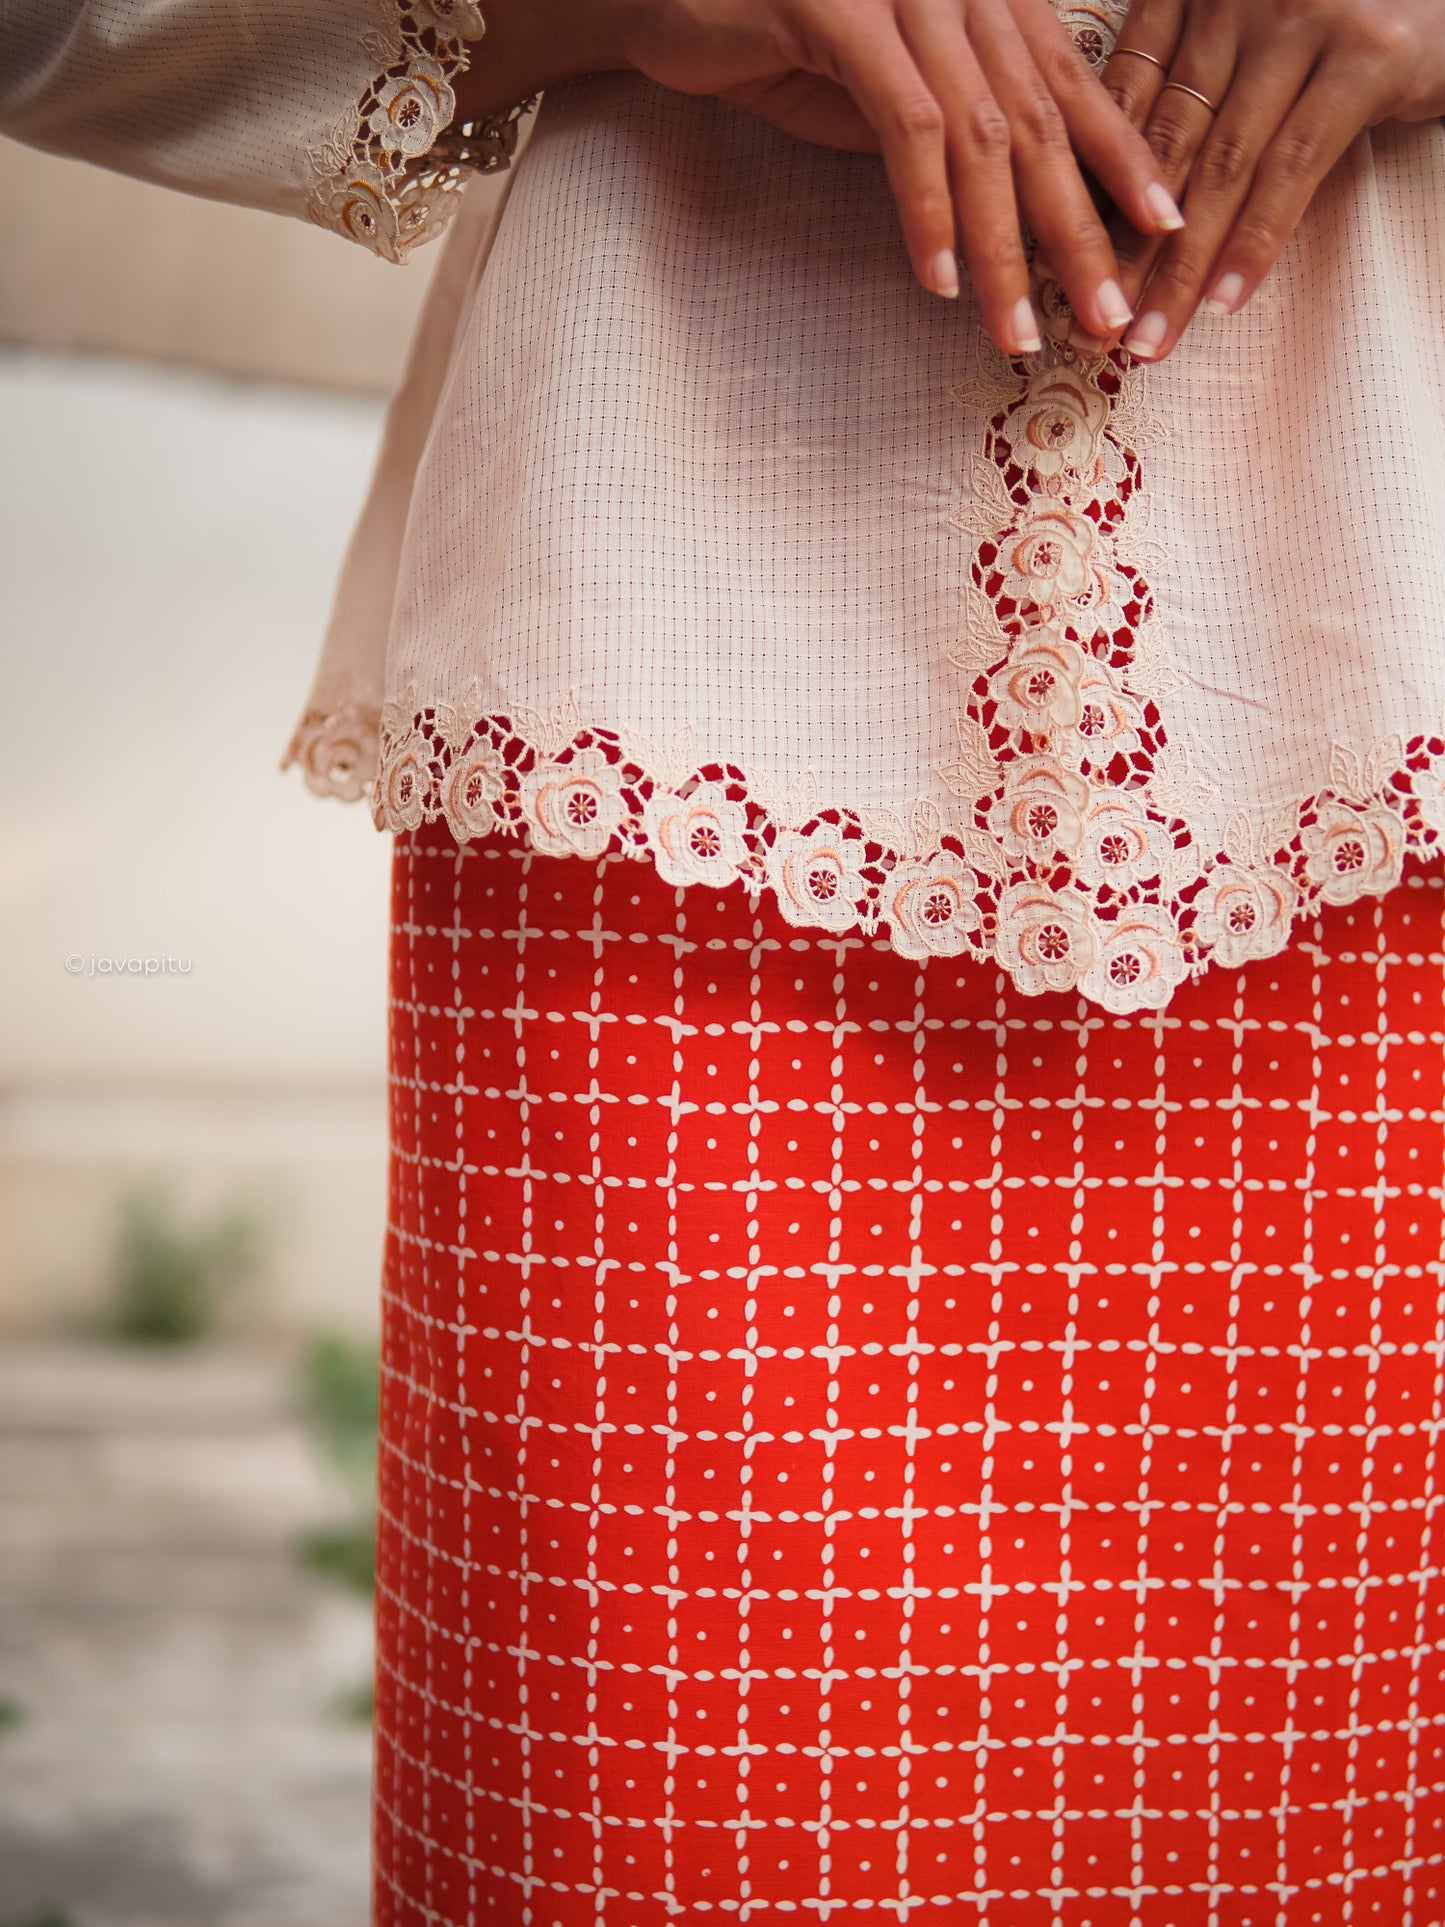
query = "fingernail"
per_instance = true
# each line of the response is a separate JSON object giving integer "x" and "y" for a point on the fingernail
{"x": 1025, "y": 329}
{"x": 1114, "y": 310}
{"x": 1080, "y": 338}
{"x": 1226, "y": 294}
{"x": 945, "y": 274}
{"x": 1163, "y": 206}
{"x": 1148, "y": 335}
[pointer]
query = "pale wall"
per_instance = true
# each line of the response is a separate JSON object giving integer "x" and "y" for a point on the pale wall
{"x": 96, "y": 261}
{"x": 168, "y": 543}
{"x": 167, "y": 548}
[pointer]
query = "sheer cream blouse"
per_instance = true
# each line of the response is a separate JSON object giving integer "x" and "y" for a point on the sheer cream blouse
{"x": 701, "y": 534}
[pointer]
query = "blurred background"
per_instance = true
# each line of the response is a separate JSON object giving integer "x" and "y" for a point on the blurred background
{"x": 192, "y": 1161}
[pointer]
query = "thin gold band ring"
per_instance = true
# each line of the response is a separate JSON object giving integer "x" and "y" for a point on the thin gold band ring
{"x": 1193, "y": 93}
{"x": 1139, "y": 54}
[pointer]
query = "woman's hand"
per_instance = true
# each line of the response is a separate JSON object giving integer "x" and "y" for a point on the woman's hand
{"x": 983, "y": 111}
{"x": 1293, "y": 82}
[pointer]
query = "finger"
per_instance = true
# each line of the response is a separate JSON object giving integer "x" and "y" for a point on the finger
{"x": 1177, "y": 128}
{"x": 875, "y": 66}
{"x": 1219, "y": 188}
{"x": 1134, "y": 73}
{"x": 1138, "y": 62}
{"x": 1136, "y": 254}
{"x": 980, "y": 168}
{"x": 1049, "y": 186}
{"x": 1180, "y": 122}
{"x": 1110, "y": 147}
{"x": 1313, "y": 136}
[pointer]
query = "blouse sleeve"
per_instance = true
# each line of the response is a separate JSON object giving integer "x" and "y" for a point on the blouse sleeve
{"x": 340, "y": 111}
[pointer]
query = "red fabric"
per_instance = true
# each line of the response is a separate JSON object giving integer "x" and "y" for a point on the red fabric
{"x": 859, "y": 1440}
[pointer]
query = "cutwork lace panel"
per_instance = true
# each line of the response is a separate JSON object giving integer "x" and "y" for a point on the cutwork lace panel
{"x": 1062, "y": 843}
{"x": 389, "y": 175}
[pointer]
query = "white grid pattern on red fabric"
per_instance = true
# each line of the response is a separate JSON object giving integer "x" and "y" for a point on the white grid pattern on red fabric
{"x": 1345, "y": 1766}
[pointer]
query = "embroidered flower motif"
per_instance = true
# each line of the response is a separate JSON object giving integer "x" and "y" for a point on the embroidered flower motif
{"x": 573, "y": 808}
{"x": 1094, "y": 25}
{"x": 1037, "y": 689}
{"x": 817, "y": 878}
{"x": 437, "y": 762}
{"x": 1052, "y": 307}
{"x": 930, "y": 906}
{"x": 358, "y": 203}
{"x": 475, "y": 780}
{"x": 1052, "y": 556}
{"x": 337, "y": 753}
{"x": 1110, "y": 719}
{"x": 405, "y": 784}
{"x": 1246, "y": 913}
{"x": 457, "y": 19}
{"x": 1063, "y": 421}
{"x": 420, "y": 211}
{"x": 412, "y": 109}
{"x": 388, "y": 216}
{"x": 387, "y": 177}
{"x": 1354, "y": 850}
{"x": 1046, "y": 939}
{"x": 1041, "y": 812}
{"x": 698, "y": 838}
{"x": 1123, "y": 845}
{"x": 1140, "y": 964}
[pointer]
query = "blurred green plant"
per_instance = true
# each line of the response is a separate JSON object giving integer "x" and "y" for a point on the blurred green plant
{"x": 46, "y": 1916}
{"x": 357, "y": 1704}
{"x": 345, "y": 1554}
{"x": 172, "y": 1277}
{"x": 340, "y": 1399}
{"x": 12, "y": 1714}
{"x": 340, "y": 1385}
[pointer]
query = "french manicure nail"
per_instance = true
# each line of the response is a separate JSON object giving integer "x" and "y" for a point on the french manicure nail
{"x": 945, "y": 274}
{"x": 1163, "y": 206}
{"x": 1025, "y": 329}
{"x": 1148, "y": 335}
{"x": 1226, "y": 294}
{"x": 1113, "y": 308}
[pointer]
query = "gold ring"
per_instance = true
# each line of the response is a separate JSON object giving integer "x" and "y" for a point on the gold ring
{"x": 1140, "y": 54}
{"x": 1193, "y": 93}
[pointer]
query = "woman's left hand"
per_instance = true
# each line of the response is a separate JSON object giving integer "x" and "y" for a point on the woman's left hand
{"x": 1249, "y": 106}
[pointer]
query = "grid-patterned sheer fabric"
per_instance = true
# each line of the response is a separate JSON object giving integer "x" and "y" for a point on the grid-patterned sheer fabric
{"x": 693, "y": 489}
{"x": 210, "y": 96}
{"x": 858, "y": 1440}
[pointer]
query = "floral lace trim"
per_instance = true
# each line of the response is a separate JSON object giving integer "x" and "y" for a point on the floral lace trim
{"x": 391, "y": 171}
{"x": 1064, "y": 877}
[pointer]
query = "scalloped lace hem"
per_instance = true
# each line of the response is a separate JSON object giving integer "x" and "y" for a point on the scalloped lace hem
{"x": 391, "y": 172}
{"x": 933, "y": 889}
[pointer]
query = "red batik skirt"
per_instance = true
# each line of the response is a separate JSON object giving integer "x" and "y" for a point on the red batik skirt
{"x": 857, "y": 1440}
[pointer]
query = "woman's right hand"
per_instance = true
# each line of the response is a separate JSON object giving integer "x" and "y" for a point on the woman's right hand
{"x": 983, "y": 110}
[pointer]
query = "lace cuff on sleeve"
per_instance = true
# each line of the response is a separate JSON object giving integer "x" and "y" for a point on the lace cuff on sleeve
{"x": 391, "y": 171}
